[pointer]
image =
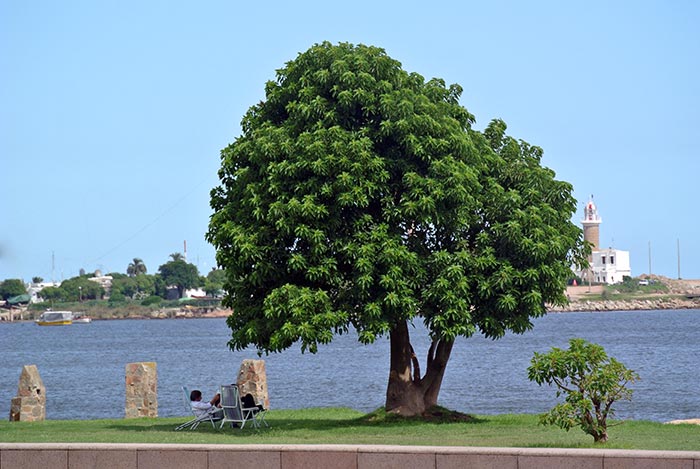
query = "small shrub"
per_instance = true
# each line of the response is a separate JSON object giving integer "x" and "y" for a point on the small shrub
{"x": 116, "y": 299}
{"x": 591, "y": 381}
{"x": 151, "y": 300}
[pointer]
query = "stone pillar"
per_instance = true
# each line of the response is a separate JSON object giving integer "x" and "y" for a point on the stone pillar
{"x": 252, "y": 379}
{"x": 141, "y": 390}
{"x": 30, "y": 403}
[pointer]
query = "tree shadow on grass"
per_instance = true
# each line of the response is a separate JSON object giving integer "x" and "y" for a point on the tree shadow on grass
{"x": 376, "y": 419}
{"x": 435, "y": 415}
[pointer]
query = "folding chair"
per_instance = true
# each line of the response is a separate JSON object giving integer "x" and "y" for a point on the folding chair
{"x": 212, "y": 415}
{"x": 259, "y": 414}
{"x": 234, "y": 412}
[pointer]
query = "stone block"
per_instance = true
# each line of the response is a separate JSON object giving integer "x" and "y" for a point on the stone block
{"x": 173, "y": 459}
{"x": 141, "y": 390}
{"x": 93, "y": 459}
{"x": 319, "y": 460}
{"x": 32, "y": 459}
{"x": 26, "y": 409}
{"x": 30, "y": 403}
{"x": 392, "y": 460}
{"x": 480, "y": 461}
{"x": 252, "y": 379}
{"x": 649, "y": 463}
{"x": 559, "y": 461}
{"x": 224, "y": 459}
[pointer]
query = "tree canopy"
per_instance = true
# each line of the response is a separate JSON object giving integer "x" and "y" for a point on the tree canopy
{"x": 136, "y": 267}
{"x": 180, "y": 274}
{"x": 77, "y": 288}
{"x": 12, "y": 287}
{"x": 214, "y": 282}
{"x": 359, "y": 196}
{"x": 138, "y": 286}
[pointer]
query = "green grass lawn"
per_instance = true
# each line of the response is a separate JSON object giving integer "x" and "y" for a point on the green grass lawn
{"x": 347, "y": 426}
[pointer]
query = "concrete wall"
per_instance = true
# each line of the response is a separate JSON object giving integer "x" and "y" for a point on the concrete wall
{"x": 156, "y": 456}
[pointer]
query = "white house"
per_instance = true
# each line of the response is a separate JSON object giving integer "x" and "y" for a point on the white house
{"x": 610, "y": 266}
{"x": 34, "y": 288}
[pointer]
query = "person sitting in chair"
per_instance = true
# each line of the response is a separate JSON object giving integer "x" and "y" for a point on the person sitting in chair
{"x": 248, "y": 402}
{"x": 201, "y": 408}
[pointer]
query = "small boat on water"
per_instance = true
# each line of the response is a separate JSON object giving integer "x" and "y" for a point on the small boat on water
{"x": 80, "y": 319}
{"x": 55, "y": 318}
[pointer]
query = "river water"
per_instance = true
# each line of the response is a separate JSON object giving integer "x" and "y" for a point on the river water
{"x": 82, "y": 366}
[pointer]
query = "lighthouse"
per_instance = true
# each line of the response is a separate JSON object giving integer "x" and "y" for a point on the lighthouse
{"x": 605, "y": 265}
{"x": 591, "y": 224}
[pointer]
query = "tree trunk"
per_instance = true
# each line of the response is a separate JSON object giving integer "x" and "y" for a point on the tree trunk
{"x": 408, "y": 393}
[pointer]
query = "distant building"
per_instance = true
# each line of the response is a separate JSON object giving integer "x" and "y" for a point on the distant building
{"x": 606, "y": 265}
{"x": 195, "y": 293}
{"x": 105, "y": 281}
{"x": 34, "y": 288}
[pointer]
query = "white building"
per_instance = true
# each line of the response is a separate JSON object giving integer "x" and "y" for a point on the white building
{"x": 606, "y": 265}
{"x": 610, "y": 266}
{"x": 34, "y": 288}
{"x": 105, "y": 281}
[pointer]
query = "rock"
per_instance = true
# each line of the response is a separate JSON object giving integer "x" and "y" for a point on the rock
{"x": 252, "y": 379}
{"x": 687, "y": 421}
{"x": 141, "y": 390}
{"x": 30, "y": 403}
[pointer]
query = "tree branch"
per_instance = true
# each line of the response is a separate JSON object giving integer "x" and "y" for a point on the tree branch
{"x": 431, "y": 353}
{"x": 416, "y": 366}
{"x": 560, "y": 385}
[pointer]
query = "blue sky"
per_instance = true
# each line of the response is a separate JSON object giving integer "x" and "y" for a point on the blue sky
{"x": 113, "y": 114}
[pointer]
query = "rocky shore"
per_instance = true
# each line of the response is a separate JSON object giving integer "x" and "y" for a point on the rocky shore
{"x": 629, "y": 305}
{"x": 680, "y": 294}
{"x": 184, "y": 312}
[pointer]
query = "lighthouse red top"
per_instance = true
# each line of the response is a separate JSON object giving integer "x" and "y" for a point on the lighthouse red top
{"x": 590, "y": 212}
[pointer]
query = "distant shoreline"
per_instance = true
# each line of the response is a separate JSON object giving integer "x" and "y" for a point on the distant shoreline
{"x": 587, "y": 306}
{"x": 677, "y": 294}
{"x": 680, "y": 294}
{"x": 626, "y": 305}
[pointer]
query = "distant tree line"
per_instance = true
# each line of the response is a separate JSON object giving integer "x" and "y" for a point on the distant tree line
{"x": 136, "y": 284}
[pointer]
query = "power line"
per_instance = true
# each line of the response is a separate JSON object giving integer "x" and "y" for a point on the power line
{"x": 151, "y": 223}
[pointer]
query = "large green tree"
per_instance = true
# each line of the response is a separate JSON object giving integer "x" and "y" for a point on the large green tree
{"x": 359, "y": 196}
{"x": 81, "y": 287}
{"x": 51, "y": 294}
{"x": 180, "y": 274}
{"x": 139, "y": 286}
{"x": 214, "y": 282}
{"x": 12, "y": 287}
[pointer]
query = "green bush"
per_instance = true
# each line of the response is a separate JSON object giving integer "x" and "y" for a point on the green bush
{"x": 116, "y": 299}
{"x": 591, "y": 381}
{"x": 151, "y": 300}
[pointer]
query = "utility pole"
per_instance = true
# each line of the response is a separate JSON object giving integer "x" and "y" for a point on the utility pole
{"x": 650, "y": 258}
{"x": 678, "y": 250}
